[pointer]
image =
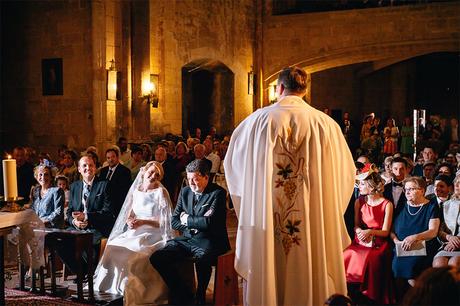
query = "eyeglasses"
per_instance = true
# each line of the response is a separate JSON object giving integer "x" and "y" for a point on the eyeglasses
{"x": 411, "y": 189}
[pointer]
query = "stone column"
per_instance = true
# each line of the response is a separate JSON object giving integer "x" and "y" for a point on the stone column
{"x": 98, "y": 79}
{"x": 140, "y": 65}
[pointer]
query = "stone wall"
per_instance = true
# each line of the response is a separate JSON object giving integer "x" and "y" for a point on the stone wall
{"x": 319, "y": 41}
{"x": 32, "y": 31}
{"x": 185, "y": 31}
{"x": 385, "y": 93}
{"x": 240, "y": 34}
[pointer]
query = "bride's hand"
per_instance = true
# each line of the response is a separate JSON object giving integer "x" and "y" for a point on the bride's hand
{"x": 130, "y": 222}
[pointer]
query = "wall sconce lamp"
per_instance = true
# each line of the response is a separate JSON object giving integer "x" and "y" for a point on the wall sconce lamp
{"x": 272, "y": 93}
{"x": 251, "y": 83}
{"x": 150, "y": 91}
{"x": 113, "y": 82}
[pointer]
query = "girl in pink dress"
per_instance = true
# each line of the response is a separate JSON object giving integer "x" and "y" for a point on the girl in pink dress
{"x": 368, "y": 258}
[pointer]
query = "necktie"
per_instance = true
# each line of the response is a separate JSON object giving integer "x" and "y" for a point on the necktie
{"x": 197, "y": 198}
{"x": 109, "y": 174}
{"x": 86, "y": 191}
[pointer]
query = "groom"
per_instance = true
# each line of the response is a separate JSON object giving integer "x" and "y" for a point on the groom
{"x": 201, "y": 216}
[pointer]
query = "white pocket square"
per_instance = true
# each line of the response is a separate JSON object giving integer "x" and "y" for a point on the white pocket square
{"x": 208, "y": 213}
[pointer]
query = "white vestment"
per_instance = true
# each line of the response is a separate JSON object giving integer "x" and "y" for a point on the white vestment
{"x": 291, "y": 175}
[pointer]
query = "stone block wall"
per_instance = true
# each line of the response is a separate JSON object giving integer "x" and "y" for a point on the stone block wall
{"x": 32, "y": 31}
{"x": 319, "y": 41}
{"x": 185, "y": 31}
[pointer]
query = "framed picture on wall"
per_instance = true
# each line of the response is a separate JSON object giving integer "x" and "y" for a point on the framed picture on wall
{"x": 52, "y": 83}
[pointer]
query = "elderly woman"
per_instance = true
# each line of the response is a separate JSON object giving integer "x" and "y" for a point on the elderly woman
{"x": 368, "y": 258}
{"x": 416, "y": 223}
{"x": 386, "y": 175}
{"x": 449, "y": 232}
{"x": 47, "y": 201}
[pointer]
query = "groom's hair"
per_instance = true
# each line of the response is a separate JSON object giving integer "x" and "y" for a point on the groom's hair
{"x": 198, "y": 165}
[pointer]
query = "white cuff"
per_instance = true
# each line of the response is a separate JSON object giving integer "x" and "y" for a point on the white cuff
{"x": 183, "y": 219}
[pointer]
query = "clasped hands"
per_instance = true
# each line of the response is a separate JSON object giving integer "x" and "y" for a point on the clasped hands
{"x": 408, "y": 242}
{"x": 79, "y": 219}
{"x": 453, "y": 243}
{"x": 134, "y": 223}
{"x": 364, "y": 235}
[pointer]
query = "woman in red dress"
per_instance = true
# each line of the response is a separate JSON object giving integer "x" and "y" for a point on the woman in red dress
{"x": 368, "y": 258}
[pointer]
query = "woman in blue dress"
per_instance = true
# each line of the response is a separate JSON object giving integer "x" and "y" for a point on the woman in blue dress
{"x": 47, "y": 201}
{"x": 417, "y": 221}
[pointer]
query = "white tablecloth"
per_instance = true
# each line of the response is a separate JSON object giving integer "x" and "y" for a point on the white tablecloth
{"x": 31, "y": 245}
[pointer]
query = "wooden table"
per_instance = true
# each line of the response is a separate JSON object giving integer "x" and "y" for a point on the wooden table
{"x": 3, "y": 232}
{"x": 83, "y": 242}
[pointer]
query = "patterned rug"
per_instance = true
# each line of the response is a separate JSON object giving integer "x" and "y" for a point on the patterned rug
{"x": 16, "y": 297}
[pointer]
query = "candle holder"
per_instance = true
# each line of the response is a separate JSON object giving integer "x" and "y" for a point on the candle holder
{"x": 11, "y": 204}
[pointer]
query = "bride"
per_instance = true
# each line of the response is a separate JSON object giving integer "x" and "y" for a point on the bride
{"x": 142, "y": 227}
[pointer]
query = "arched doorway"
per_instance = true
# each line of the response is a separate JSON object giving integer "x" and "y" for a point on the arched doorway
{"x": 207, "y": 96}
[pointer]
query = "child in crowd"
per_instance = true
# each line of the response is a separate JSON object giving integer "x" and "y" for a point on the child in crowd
{"x": 63, "y": 182}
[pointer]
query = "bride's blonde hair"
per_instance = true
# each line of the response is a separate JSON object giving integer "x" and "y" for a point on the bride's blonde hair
{"x": 158, "y": 169}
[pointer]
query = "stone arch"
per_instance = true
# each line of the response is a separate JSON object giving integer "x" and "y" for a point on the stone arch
{"x": 381, "y": 35}
{"x": 207, "y": 95}
{"x": 380, "y": 54}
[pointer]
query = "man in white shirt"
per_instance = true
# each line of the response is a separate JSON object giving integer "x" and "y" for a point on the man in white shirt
{"x": 443, "y": 187}
{"x": 213, "y": 157}
{"x": 125, "y": 153}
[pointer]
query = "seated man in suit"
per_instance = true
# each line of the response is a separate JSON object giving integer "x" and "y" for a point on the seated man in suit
{"x": 118, "y": 177}
{"x": 201, "y": 216}
{"x": 89, "y": 210}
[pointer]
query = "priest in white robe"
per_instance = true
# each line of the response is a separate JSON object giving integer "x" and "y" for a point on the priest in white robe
{"x": 290, "y": 174}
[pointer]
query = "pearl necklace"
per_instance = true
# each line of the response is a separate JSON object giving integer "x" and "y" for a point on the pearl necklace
{"x": 413, "y": 214}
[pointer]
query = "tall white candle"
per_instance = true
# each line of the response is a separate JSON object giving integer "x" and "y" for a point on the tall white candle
{"x": 10, "y": 183}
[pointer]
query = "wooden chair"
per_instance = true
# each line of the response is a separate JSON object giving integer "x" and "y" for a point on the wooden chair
{"x": 226, "y": 281}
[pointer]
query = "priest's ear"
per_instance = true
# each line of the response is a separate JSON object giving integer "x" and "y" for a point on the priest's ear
{"x": 280, "y": 90}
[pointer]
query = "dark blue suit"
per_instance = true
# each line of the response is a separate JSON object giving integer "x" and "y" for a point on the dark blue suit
{"x": 203, "y": 239}
{"x": 118, "y": 186}
{"x": 100, "y": 219}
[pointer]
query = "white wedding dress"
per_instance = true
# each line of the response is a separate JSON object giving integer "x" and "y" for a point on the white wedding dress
{"x": 125, "y": 267}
